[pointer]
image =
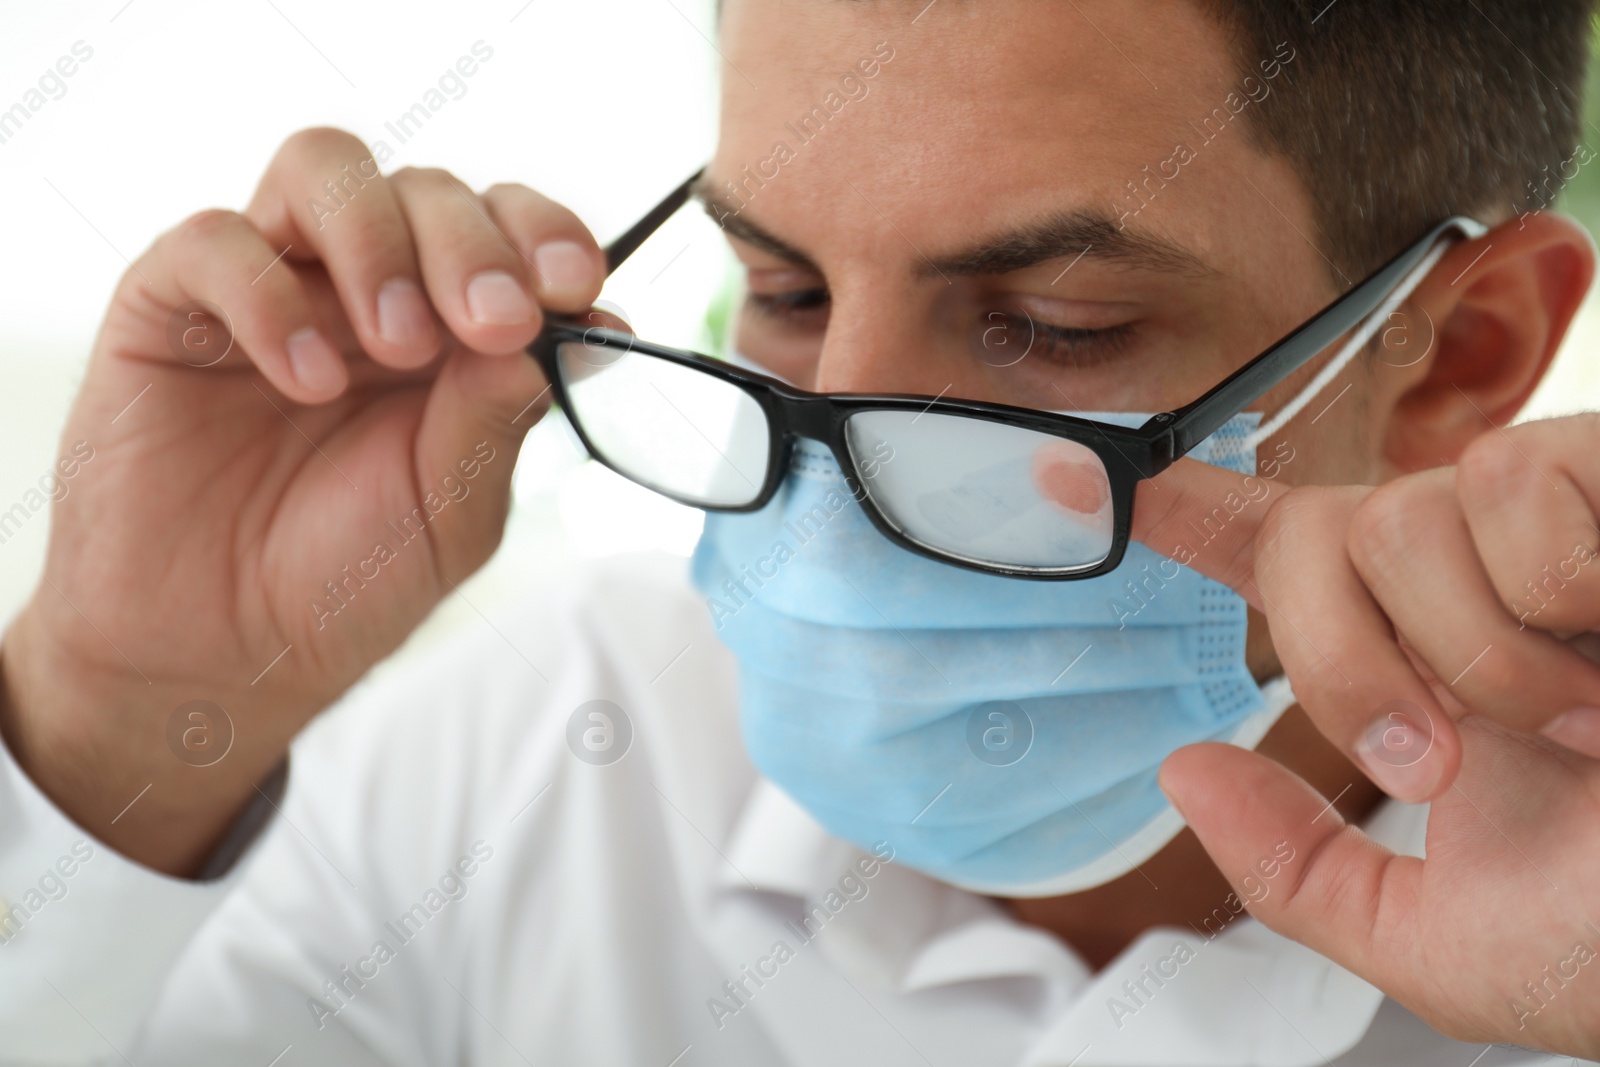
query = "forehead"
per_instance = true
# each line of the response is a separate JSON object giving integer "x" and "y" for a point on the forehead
{"x": 988, "y": 113}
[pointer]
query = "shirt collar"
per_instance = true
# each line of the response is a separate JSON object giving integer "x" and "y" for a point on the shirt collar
{"x": 1244, "y": 995}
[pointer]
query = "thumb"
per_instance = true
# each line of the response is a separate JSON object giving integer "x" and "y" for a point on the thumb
{"x": 1207, "y": 518}
{"x": 477, "y": 414}
{"x": 1295, "y": 863}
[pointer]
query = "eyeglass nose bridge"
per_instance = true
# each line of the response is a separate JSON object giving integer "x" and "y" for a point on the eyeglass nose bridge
{"x": 815, "y": 417}
{"x": 800, "y": 414}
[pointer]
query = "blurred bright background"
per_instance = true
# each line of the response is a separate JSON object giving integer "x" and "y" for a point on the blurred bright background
{"x": 183, "y": 103}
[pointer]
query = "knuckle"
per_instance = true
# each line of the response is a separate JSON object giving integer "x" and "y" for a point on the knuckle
{"x": 1386, "y": 519}
{"x": 1586, "y": 423}
{"x": 526, "y": 207}
{"x": 422, "y": 176}
{"x": 1299, "y": 509}
{"x": 1320, "y": 686}
{"x": 1489, "y": 465}
{"x": 516, "y": 192}
{"x": 1282, "y": 517}
{"x": 382, "y": 234}
{"x": 319, "y": 143}
{"x": 1343, "y": 886}
{"x": 1559, "y": 592}
{"x": 1495, "y": 674}
{"x": 1273, "y": 536}
{"x": 205, "y": 227}
{"x": 1304, "y": 885}
{"x": 1561, "y": 429}
{"x": 1557, "y": 614}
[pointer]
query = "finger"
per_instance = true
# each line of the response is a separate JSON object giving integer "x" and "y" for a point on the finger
{"x": 329, "y": 312}
{"x": 1280, "y": 551}
{"x": 476, "y": 416}
{"x": 1299, "y": 868}
{"x": 1410, "y": 543}
{"x": 1207, "y": 518}
{"x": 1531, "y": 494}
{"x": 568, "y": 265}
{"x": 213, "y": 256}
{"x": 1340, "y": 651}
{"x": 480, "y": 284}
{"x": 1578, "y": 729}
{"x": 323, "y": 198}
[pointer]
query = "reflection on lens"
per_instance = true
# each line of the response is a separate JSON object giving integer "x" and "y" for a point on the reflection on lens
{"x": 986, "y": 492}
{"x": 667, "y": 426}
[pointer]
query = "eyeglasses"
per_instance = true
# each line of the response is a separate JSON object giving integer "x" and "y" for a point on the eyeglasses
{"x": 990, "y": 487}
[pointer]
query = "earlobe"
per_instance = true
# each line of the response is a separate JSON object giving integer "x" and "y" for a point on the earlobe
{"x": 1496, "y": 310}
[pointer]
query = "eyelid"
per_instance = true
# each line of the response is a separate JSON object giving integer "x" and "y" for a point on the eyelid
{"x": 1082, "y": 349}
{"x": 774, "y": 280}
{"x": 1082, "y": 314}
{"x": 791, "y": 307}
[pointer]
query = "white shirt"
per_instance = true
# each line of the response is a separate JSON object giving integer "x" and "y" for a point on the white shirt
{"x": 445, "y": 882}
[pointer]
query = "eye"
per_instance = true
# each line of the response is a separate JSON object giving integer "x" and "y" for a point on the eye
{"x": 1067, "y": 346}
{"x": 798, "y": 308}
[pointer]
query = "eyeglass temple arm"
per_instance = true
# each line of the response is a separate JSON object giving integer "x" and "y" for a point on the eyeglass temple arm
{"x": 626, "y": 245}
{"x": 1194, "y": 422}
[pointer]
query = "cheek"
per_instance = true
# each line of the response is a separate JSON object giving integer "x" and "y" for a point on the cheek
{"x": 1347, "y": 442}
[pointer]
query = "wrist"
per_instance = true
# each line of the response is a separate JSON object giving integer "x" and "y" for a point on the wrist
{"x": 95, "y": 740}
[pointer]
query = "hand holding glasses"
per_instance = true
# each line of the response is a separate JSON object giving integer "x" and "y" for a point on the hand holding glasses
{"x": 964, "y": 486}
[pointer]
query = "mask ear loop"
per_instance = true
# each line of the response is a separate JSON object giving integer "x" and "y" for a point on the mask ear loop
{"x": 1358, "y": 341}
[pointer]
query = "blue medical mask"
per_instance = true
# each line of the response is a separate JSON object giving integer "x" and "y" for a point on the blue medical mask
{"x": 1003, "y": 735}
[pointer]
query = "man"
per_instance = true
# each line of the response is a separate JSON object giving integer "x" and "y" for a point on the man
{"x": 560, "y": 852}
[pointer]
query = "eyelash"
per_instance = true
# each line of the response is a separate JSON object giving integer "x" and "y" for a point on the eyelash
{"x": 789, "y": 307}
{"x": 1068, "y": 346}
{"x": 1073, "y": 346}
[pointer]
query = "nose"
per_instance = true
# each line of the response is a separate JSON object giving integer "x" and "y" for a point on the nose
{"x": 883, "y": 343}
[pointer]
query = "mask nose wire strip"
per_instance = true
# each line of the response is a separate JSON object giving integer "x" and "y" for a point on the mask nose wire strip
{"x": 1356, "y": 343}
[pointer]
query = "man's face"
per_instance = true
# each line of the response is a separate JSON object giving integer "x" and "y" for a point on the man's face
{"x": 905, "y": 194}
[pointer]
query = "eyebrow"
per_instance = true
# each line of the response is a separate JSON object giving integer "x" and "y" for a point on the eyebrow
{"x": 748, "y": 232}
{"x": 1082, "y": 233}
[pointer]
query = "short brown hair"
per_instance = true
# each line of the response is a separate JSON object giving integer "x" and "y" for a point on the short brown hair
{"x": 1399, "y": 113}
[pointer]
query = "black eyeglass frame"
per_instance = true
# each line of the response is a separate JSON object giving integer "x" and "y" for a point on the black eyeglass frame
{"x": 1129, "y": 455}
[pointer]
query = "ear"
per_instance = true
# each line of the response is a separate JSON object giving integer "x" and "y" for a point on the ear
{"x": 1497, "y": 309}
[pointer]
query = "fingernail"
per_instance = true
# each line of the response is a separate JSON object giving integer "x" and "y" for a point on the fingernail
{"x": 566, "y": 269}
{"x": 315, "y": 362}
{"x": 403, "y": 316}
{"x": 1578, "y": 729}
{"x": 494, "y": 298}
{"x": 1397, "y": 751}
